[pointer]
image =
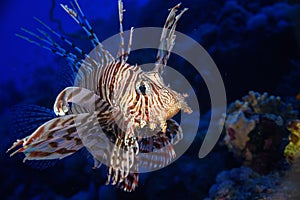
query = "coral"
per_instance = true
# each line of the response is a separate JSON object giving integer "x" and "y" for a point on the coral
{"x": 263, "y": 104}
{"x": 292, "y": 150}
{"x": 255, "y": 129}
{"x": 238, "y": 127}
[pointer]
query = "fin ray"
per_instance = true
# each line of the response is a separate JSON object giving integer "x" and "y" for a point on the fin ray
{"x": 167, "y": 39}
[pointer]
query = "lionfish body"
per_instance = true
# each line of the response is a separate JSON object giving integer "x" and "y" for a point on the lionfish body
{"x": 119, "y": 113}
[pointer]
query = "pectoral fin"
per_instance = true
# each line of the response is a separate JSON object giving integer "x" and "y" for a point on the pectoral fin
{"x": 55, "y": 139}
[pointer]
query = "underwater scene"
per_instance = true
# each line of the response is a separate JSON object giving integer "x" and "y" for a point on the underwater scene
{"x": 199, "y": 100}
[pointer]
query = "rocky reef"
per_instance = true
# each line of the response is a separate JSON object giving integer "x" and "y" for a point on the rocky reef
{"x": 256, "y": 130}
{"x": 243, "y": 183}
{"x": 262, "y": 131}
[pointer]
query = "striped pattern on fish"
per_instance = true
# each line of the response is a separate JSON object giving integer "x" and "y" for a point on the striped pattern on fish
{"x": 118, "y": 112}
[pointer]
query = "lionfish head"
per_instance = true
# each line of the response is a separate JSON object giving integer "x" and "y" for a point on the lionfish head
{"x": 158, "y": 101}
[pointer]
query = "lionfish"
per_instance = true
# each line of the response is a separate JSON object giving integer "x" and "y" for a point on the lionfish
{"x": 118, "y": 112}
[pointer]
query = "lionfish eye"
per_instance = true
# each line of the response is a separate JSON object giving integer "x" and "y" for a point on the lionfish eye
{"x": 143, "y": 88}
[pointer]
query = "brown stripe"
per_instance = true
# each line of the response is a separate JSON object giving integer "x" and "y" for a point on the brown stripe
{"x": 53, "y": 144}
{"x": 87, "y": 97}
{"x": 78, "y": 141}
{"x": 37, "y": 154}
{"x": 65, "y": 151}
{"x": 117, "y": 66}
{"x": 53, "y": 125}
{"x": 74, "y": 92}
{"x": 67, "y": 121}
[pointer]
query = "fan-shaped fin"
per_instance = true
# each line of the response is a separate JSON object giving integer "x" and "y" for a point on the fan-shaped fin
{"x": 54, "y": 139}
